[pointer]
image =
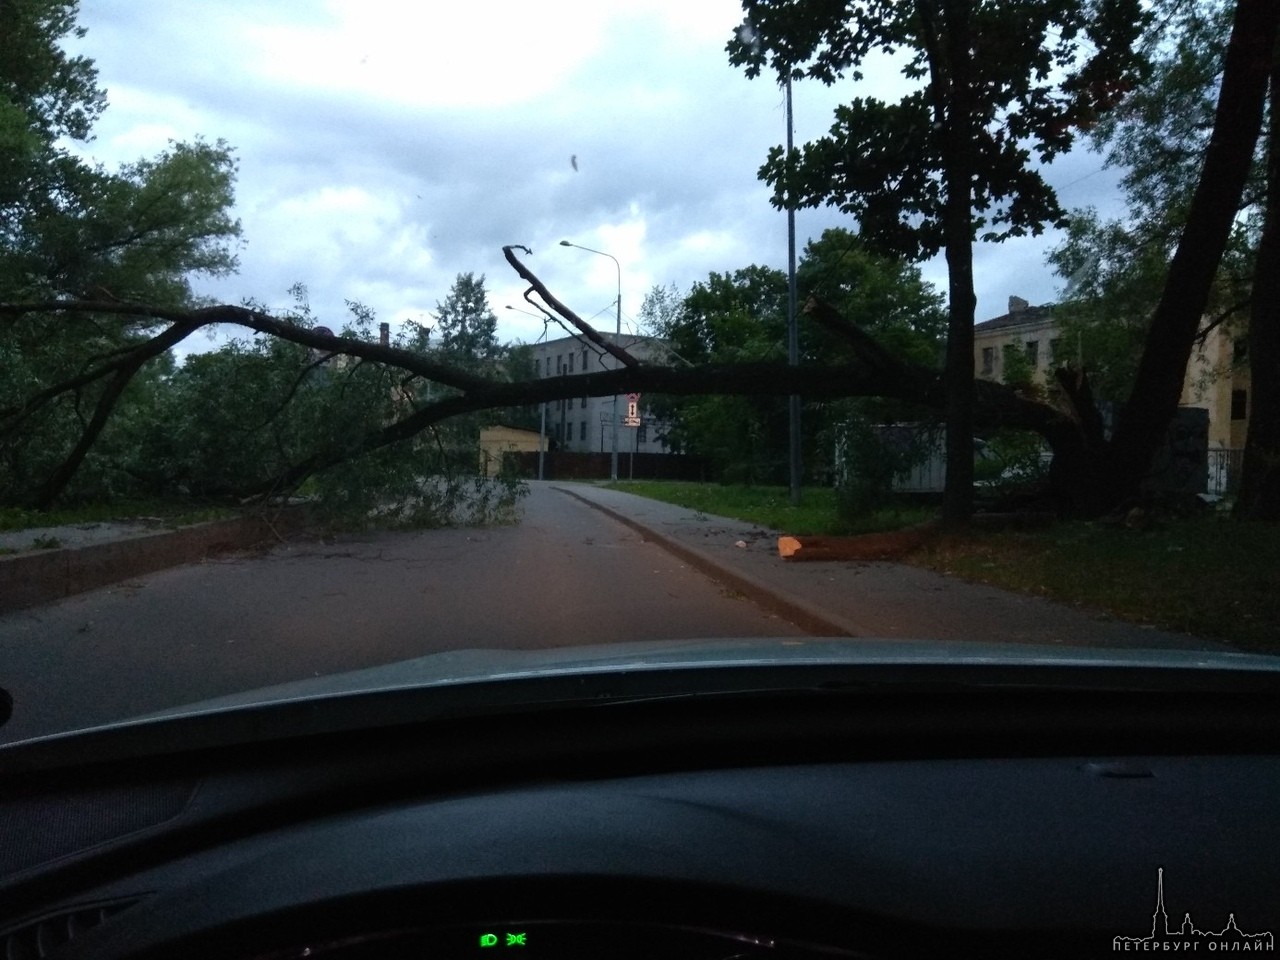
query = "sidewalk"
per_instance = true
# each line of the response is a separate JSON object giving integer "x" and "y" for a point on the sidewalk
{"x": 40, "y": 565}
{"x": 883, "y": 600}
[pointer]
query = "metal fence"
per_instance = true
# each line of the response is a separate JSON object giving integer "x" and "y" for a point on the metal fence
{"x": 1224, "y": 471}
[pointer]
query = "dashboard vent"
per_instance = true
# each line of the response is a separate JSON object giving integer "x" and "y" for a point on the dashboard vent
{"x": 43, "y": 937}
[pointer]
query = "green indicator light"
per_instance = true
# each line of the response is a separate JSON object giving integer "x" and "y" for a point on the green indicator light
{"x": 516, "y": 940}
{"x": 488, "y": 939}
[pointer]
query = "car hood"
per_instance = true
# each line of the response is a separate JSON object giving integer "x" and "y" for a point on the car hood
{"x": 484, "y": 682}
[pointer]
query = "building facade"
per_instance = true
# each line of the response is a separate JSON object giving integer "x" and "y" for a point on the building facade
{"x": 585, "y": 424}
{"x": 1217, "y": 379}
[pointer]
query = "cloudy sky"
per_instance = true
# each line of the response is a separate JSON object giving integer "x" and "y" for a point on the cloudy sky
{"x": 385, "y": 147}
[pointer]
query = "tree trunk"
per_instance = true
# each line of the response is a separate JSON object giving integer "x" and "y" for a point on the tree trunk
{"x": 957, "y": 495}
{"x": 1145, "y": 418}
{"x": 1259, "y": 497}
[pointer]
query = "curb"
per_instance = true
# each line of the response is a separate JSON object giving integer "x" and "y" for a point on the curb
{"x": 818, "y": 623}
{"x": 35, "y": 578}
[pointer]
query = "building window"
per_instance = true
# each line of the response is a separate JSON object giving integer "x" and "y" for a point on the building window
{"x": 1240, "y": 350}
{"x": 1033, "y": 353}
{"x": 1239, "y": 404}
{"x": 988, "y": 361}
{"x": 537, "y": 368}
{"x": 559, "y": 362}
{"x": 582, "y": 430}
{"x": 584, "y": 403}
{"x": 571, "y": 363}
{"x": 1010, "y": 353}
{"x": 584, "y": 358}
{"x": 1055, "y": 352}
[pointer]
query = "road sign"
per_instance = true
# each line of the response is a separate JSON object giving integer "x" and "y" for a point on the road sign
{"x": 633, "y": 398}
{"x": 631, "y": 421}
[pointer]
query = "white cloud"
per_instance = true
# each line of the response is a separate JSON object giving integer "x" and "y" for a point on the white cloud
{"x": 386, "y": 147}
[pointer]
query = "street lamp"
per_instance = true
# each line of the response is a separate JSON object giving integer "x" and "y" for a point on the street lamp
{"x": 613, "y": 456}
{"x": 542, "y": 428}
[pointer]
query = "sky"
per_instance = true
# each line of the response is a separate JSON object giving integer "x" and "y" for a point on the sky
{"x": 386, "y": 147}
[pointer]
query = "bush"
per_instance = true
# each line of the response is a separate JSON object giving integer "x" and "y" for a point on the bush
{"x": 871, "y": 457}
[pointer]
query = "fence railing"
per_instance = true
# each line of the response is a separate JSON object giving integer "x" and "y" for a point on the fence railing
{"x": 1224, "y": 471}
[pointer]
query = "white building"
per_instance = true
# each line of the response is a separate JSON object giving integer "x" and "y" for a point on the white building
{"x": 585, "y": 424}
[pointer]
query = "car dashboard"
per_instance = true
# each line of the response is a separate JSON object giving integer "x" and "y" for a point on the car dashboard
{"x": 801, "y": 821}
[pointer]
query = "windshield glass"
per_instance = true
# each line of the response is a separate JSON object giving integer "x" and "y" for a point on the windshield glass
{"x": 338, "y": 335}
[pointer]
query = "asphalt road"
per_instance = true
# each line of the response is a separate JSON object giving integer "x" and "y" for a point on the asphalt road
{"x": 567, "y": 575}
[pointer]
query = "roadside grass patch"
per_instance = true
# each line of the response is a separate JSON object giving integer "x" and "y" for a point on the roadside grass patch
{"x": 173, "y": 513}
{"x": 1209, "y": 576}
{"x": 771, "y": 507}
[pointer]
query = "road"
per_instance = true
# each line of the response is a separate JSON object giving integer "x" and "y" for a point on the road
{"x": 566, "y": 575}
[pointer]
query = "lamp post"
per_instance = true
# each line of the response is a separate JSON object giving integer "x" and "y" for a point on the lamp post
{"x": 542, "y": 428}
{"x": 793, "y": 336}
{"x": 613, "y": 456}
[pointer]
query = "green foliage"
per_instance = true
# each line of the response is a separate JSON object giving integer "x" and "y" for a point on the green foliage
{"x": 71, "y": 228}
{"x": 885, "y": 296}
{"x": 1116, "y": 269}
{"x": 727, "y": 318}
{"x": 1208, "y": 576}
{"x": 770, "y": 506}
{"x": 741, "y": 316}
{"x": 387, "y": 490}
{"x": 466, "y": 325}
{"x": 870, "y": 457}
{"x": 58, "y": 95}
{"x": 1017, "y": 370}
{"x": 1011, "y": 461}
{"x": 1036, "y": 71}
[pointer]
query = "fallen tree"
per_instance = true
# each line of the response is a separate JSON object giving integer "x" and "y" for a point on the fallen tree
{"x": 872, "y": 372}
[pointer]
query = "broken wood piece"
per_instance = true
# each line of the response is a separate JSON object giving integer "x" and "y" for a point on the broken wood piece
{"x": 890, "y": 545}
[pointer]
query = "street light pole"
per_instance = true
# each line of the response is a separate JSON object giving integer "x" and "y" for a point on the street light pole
{"x": 613, "y": 455}
{"x": 793, "y": 335}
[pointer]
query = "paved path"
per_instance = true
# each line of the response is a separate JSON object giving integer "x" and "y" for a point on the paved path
{"x": 568, "y": 575}
{"x": 863, "y": 599}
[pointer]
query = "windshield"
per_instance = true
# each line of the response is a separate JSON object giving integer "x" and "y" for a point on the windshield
{"x": 339, "y": 335}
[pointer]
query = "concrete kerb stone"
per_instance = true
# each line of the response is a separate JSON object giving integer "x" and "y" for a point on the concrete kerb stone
{"x": 34, "y": 578}
{"x": 819, "y": 623}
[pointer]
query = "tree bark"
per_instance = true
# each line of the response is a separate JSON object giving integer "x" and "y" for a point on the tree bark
{"x": 957, "y": 495}
{"x": 1259, "y": 496}
{"x": 1153, "y": 402}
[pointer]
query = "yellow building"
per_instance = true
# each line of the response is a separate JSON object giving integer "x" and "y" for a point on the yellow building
{"x": 1216, "y": 381}
{"x": 495, "y": 441}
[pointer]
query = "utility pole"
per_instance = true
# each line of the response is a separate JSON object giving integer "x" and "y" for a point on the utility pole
{"x": 793, "y": 332}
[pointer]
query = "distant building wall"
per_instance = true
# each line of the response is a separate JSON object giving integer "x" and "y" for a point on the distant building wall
{"x": 495, "y": 442}
{"x": 585, "y": 424}
{"x": 1217, "y": 380}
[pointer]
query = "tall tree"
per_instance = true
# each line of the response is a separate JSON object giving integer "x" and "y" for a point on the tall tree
{"x": 71, "y": 229}
{"x": 1118, "y": 270}
{"x": 467, "y": 326}
{"x": 951, "y": 161}
{"x": 1259, "y": 496}
{"x": 1211, "y": 215}
{"x": 741, "y": 317}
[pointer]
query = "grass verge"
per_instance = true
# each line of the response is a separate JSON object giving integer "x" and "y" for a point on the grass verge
{"x": 1211, "y": 576}
{"x": 1208, "y": 576}
{"x": 771, "y": 507}
{"x": 173, "y": 513}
